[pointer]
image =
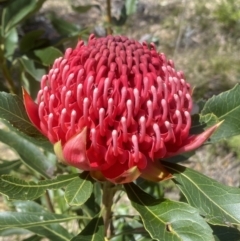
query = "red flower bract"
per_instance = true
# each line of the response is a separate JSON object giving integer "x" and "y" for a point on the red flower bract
{"x": 114, "y": 107}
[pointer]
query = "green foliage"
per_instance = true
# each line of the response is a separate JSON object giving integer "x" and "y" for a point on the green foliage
{"x": 234, "y": 143}
{"x": 47, "y": 55}
{"x": 33, "y": 217}
{"x": 228, "y": 13}
{"x": 94, "y": 231}
{"x": 13, "y": 110}
{"x": 85, "y": 8}
{"x": 79, "y": 190}
{"x": 18, "y": 189}
{"x": 32, "y": 53}
{"x": 17, "y": 11}
{"x": 128, "y": 9}
{"x": 29, "y": 153}
{"x": 7, "y": 166}
{"x": 216, "y": 202}
{"x": 223, "y": 107}
{"x": 225, "y": 233}
{"x": 64, "y": 28}
{"x": 166, "y": 219}
{"x": 131, "y": 6}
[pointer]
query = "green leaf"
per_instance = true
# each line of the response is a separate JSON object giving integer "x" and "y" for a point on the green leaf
{"x": 154, "y": 189}
{"x": 225, "y": 106}
{"x": 181, "y": 157}
{"x": 28, "y": 206}
{"x": 31, "y": 40}
{"x": 13, "y": 231}
{"x": 17, "y": 11}
{"x": 48, "y": 55}
{"x": 7, "y": 166}
{"x": 30, "y": 154}
{"x": 53, "y": 231}
{"x": 131, "y": 6}
{"x": 144, "y": 239}
{"x": 168, "y": 220}
{"x": 94, "y": 231}
{"x": 30, "y": 84}
{"x": 218, "y": 203}
{"x": 225, "y": 233}
{"x": 39, "y": 141}
{"x": 12, "y": 109}
{"x": 10, "y": 43}
{"x": 63, "y": 27}
{"x": 29, "y": 67}
{"x": 85, "y": 8}
{"x": 29, "y": 219}
{"x": 79, "y": 190}
{"x": 15, "y": 188}
{"x": 200, "y": 104}
{"x": 198, "y": 127}
{"x": 33, "y": 217}
{"x": 93, "y": 205}
{"x": 120, "y": 21}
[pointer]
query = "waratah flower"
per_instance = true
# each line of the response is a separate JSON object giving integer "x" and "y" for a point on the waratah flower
{"x": 114, "y": 107}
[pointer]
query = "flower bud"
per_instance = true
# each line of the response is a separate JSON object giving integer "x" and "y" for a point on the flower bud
{"x": 114, "y": 107}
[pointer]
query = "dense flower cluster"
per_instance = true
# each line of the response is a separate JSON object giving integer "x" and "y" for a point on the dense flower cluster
{"x": 114, "y": 107}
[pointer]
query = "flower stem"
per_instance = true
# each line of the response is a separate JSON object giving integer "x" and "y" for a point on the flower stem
{"x": 9, "y": 80}
{"x": 107, "y": 201}
{"x": 109, "y": 17}
{"x": 49, "y": 202}
{"x": 5, "y": 72}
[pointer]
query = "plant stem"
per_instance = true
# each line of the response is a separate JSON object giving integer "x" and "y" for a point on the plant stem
{"x": 181, "y": 28}
{"x": 107, "y": 202}
{"x": 5, "y": 71}
{"x": 49, "y": 202}
{"x": 109, "y": 17}
{"x": 8, "y": 79}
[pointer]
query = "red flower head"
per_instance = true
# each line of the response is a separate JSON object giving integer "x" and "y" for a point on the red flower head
{"x": 115, "y": 107}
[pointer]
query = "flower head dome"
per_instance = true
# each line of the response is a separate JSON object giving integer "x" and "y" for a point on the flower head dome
{"x": 114, "y": 107}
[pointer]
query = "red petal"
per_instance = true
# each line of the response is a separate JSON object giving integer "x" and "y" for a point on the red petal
{"x": 74, "y": 151}
{"x": 121, "y": 157}
{"x": 193, "y": 142}
{"x": 32, "y": 109}
{"x": 119, "y": 173}
{"x": 96, "y": 156}
{"x": 141, "y": 163}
